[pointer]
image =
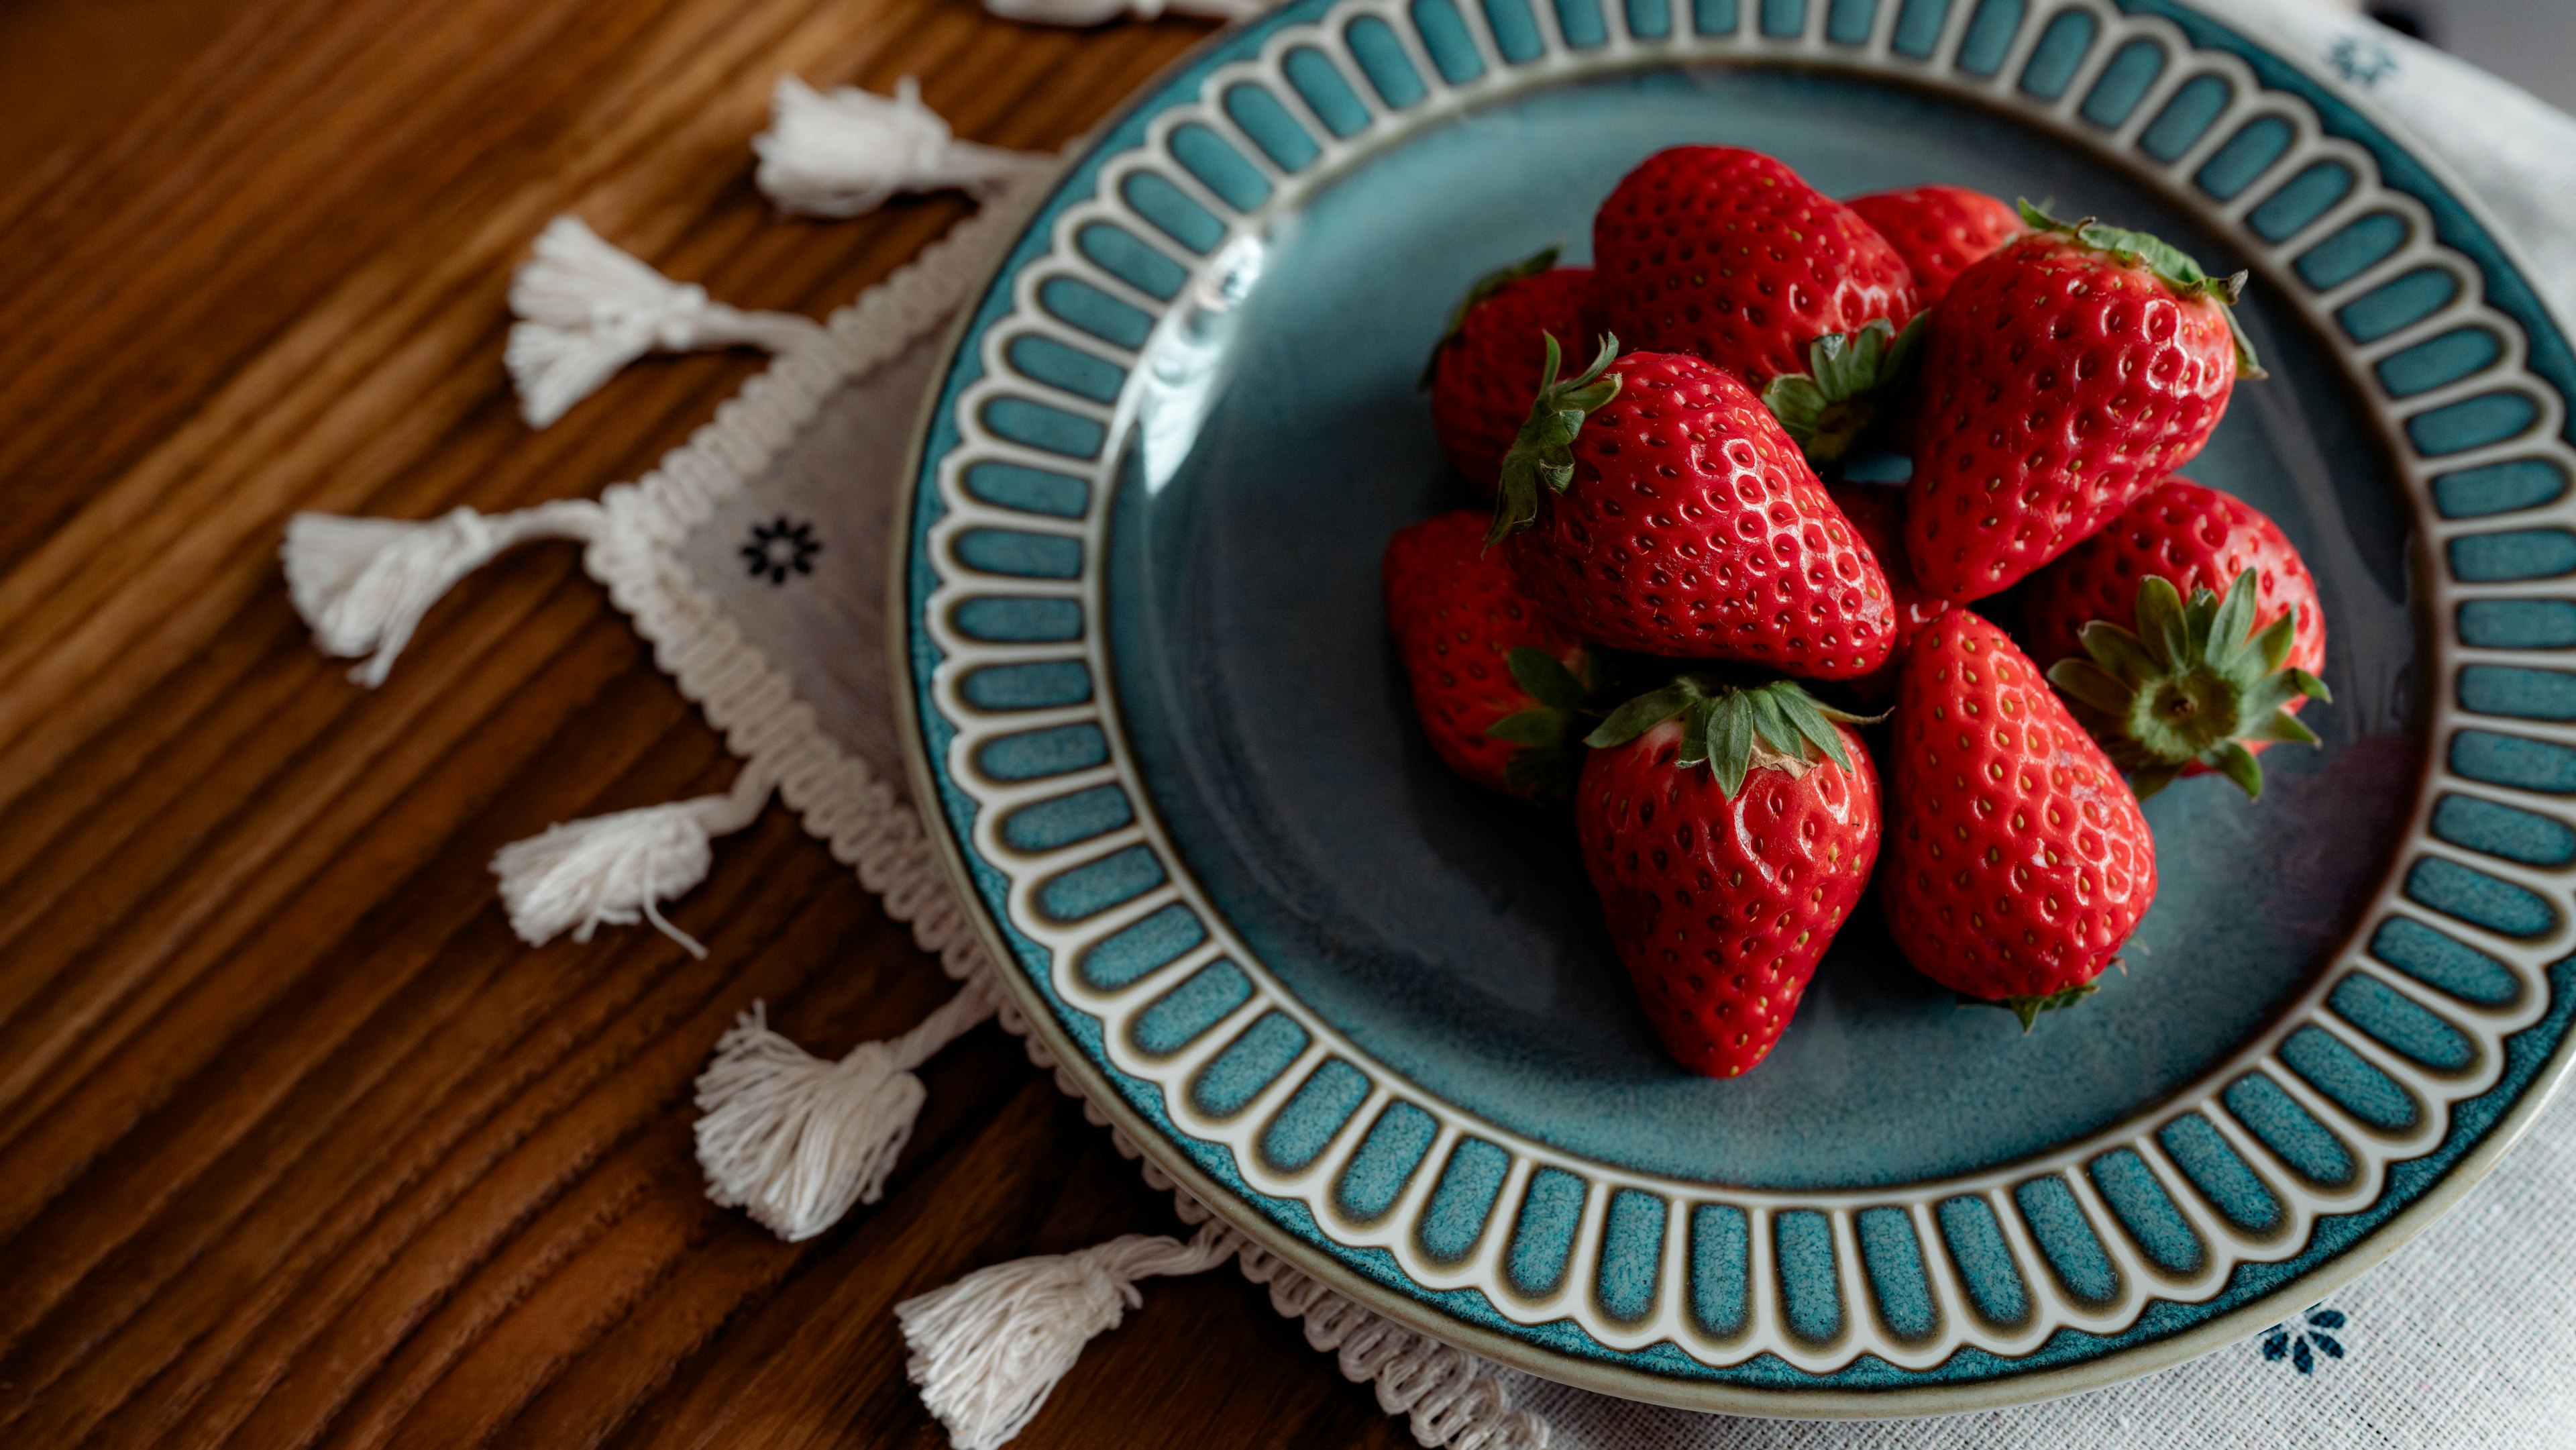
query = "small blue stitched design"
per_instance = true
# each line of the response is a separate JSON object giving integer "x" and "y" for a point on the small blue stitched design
{"x": 2292, "y": 1341}
{"x": 779, "y": 547}
{"x": 2362, "y": 62}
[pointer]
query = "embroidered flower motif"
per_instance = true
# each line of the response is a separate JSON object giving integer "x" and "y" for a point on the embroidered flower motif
{"x": 2285, "y": 1341}
{"x": 778, "y": 548}
{"x": 2362, "y": 62}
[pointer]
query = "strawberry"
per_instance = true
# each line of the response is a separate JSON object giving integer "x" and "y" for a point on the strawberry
{"x": 1485, "y": 367}
{"x": 2019, "y": 863}
{"x": 1940, "y": 231}
{"x": 1495, "y": 680}
{"x": 1722, "y": 886}
{"x": 2063, "y": 377}
{"x": 1725, "y": 253}
{"x": 1660, "y": 509}
{"x": 2170, "y": 687}
{"x": 1877, "y": 514}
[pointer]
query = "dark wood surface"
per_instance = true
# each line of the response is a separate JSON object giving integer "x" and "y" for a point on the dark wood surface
{"x": 298, "y": 1145}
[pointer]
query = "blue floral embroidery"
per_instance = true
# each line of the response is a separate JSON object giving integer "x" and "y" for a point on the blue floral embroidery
{"x": 2283, "y": 1341}
{"x": 2362, "y": 62}
{"x": 777, "y": 548}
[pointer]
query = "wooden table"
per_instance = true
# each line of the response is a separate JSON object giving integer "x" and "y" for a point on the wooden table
{"x": 298, "y": 1145}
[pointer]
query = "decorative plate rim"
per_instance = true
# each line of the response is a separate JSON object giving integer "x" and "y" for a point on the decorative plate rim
{"x": 1230, "y": 1177}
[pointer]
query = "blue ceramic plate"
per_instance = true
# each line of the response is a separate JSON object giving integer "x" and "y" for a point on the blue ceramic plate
{"x": 1371, "y": 1016}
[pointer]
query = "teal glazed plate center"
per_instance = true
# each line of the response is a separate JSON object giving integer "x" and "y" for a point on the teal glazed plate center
{"x": 1371, "y": 1016}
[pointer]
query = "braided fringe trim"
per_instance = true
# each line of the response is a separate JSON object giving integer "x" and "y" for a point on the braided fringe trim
{"x": 1444, "y": 1391}
{"x": 743, "y": 694}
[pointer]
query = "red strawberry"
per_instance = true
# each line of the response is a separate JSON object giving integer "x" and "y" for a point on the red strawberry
{"x": 1725, "y": 253}
{"x": 2173, "y": 688}
{"x": 1877, "y": 514}
{"x": 1940, "y": 231}
{"x": 1672, "y": 516}
{"x": 2063, "y": 377}
{"x": 1485, "y": 366}
{"x": 2019, "y": 863}
{"x": 1722, "y": 886}
{"x": 1494, "y": 679}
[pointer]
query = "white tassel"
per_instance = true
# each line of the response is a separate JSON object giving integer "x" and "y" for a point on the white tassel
{"x": 587, "y": 309}
{"x": 616, "y": 868}
{"x": 362, "y": 585}
{"x": 796, "y": 1140}
{"x": 843, "y": 153}
{"x": 988, "y": 1349}
{"x": 1095, "y": 12}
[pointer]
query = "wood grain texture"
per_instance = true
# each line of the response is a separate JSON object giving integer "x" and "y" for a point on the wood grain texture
{"x": 298, "y": 1145}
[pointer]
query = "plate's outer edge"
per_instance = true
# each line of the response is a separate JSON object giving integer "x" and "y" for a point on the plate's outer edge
{"x": 2508, "y": 1079}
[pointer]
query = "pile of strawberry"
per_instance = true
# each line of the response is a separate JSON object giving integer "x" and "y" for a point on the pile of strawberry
{"x": 1661, "y": 538}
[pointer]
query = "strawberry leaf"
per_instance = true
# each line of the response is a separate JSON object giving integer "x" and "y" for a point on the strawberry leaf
{"x": 2192, "y": 685}
{"x": 1730, "y": 742}
{"x": 1545, "y": 677}
{"x": 1540, "y": 728}
{"x": 2249, "y": 368}
{"x": 2285, "y": 728}
{"x": 1771, "y": 724}
{"x": 2269, "y": 694}
{"x": 1546, "y": 762}
{"x": 2028, "y": 1008}
{"x": 1810, "y": 718}
{"x": 1695, "y": 746}
{"x": 2239, "y": 765}
{"x": 2089, "y": 683}
{"x": 1477, "y": 291}
{"x": 1835, "y": 403}
{"x": 1735, "y": 731}
{"x": 2177, "y": 268}
{"x": 2120, "y": 652}
{"x": 2148, "y": 780}
{"x": 2273, "y": 644}
{"x": 2173, "y": 266}
{"x": 1543, "y": 455}
{"x": 2230, "y": 627}
{"x": 2162, "y": 623}
{"x": 1644, "y": 713}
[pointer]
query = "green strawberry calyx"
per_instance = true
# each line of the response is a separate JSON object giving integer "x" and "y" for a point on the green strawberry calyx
{"x": 1547, "y": 761}
{"x": 2173, "y": 266}
{"x": 1477, "y": 291}
{"x": 2191, "y": 684}
{"x": 2028, "y": 1008}
{"x": 1736, "y": 730}
{"x": 1833, "y": 404}
{"x": 1543, "y": 456}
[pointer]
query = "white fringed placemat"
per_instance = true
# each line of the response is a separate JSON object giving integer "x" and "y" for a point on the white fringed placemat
{"x": 754, "y": 559}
